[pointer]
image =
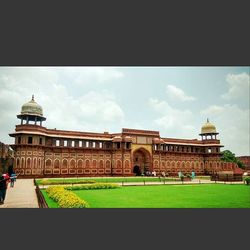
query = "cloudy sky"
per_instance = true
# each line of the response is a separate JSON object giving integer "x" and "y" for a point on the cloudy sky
{"x": 173, "y": 100}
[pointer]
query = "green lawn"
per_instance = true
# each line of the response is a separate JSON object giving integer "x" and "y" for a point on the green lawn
{"x": 168, "y": 196}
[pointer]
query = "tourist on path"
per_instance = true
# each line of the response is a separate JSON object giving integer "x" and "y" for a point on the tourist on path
{"x": 13, "y": 177}
{"x": 3, "y": 187}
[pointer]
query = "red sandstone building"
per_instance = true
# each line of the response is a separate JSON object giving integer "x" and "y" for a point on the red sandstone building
{"x": 42, "y": 152}
{"x": 246, "y": 161}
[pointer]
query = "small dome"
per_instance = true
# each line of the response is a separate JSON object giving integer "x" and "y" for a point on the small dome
{"x": 32, "y": 108}
{"x": 208, "y": 128}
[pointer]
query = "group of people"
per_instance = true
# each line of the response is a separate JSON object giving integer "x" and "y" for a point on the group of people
{"x": 181, "y": 175}
{"x": 4, "y": 181}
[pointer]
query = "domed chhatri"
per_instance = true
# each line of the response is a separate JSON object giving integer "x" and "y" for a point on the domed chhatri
{"x": 31, "y": 111}
{"x": 208, "y": 129}
{"x": 32, "y": 108}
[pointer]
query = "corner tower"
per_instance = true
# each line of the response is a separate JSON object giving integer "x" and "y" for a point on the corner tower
{"x": 31, "y": 112}
{"x": 30, "y": 140}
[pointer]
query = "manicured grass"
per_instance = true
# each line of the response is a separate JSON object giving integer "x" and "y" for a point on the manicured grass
{"x": 169, "y": 196}
{"x": 104, "y": 179}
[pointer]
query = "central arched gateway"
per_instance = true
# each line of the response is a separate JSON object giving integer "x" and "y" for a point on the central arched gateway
{"x": 141, "y": 161}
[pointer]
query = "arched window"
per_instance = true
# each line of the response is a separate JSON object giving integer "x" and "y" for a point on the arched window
{"x": 34, "y": 163}
{"x": 118, "y": 164}
{"x": 56, "y": 164}
{"x": 23, "y": 163}
{"x": 87, "y": 164}
{"x": 17, "y": 162}
{"x": 80, "y": 164}
{"x": 28, "y": 163}
{"x": 72, "y": 163}
{"x": 108, "y": 164}
{"x": 64, "y": 163}
{"x": 48, "y": 163}
{"x": 126, "y": 164}
{"x": 101, "y": 164}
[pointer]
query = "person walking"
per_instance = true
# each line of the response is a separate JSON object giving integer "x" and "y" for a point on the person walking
{"x": 193, "y": 175}
{"x": 181, "y": 176}
{"x": 3, "y": 187}
{"x": 13, "y": 177}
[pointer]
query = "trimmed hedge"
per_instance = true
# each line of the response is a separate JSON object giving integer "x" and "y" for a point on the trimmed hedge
{"x": 65, "y": 181}
{"x": 93, "y": 186}
{"x": 247, "y": 180}
{"x": 65, "y": 198}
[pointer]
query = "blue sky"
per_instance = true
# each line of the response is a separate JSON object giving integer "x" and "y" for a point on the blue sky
{"x": 173, "y": 100}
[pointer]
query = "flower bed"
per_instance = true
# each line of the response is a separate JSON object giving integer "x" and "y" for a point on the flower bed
{"x": 93, "y": 186}
{"x": 65, "y": 198}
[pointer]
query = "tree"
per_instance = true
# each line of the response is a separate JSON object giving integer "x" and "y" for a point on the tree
{"x": 228, "y": 156}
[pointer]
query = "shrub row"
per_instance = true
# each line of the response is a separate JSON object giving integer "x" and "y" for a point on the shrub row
{"x": 65, "y": 198}
{"x": 65, "y": 181}
{"x": 247, "y": 180}
{"x": 93, "y": 186}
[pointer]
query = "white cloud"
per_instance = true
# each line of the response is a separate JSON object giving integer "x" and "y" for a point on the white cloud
{"x": 213, "y": 110}
{"x": 92, "y": 75}
{"x": 176, "y": 93}
{"x": 72, "y": 110}
{"x": 174, "y": 122}
{"x": 232, "y": 123}
{"x": 238, "y": 86}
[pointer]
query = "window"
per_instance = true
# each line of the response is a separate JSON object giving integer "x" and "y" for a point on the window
{"x": 72, "y": 143}
{"x": 118, "y": 144}
{"x": 93, "y": 144}
{"x": 57, "y": 143}
{"x": 209, "y": 150}
{"x": 40, "y": 141}
{"x": 80, "y": 143}
{"x": 19, "y": 140}
{"x": 65, "y": 143}
{"x": 30, "y": 140}
{"x": 87, "y": 144}
{"x": 100, "y": 144}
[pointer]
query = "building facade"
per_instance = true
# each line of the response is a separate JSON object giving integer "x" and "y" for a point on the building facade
{"x": 246, "y": 161}
{"x": 6, "y": 157}
{"x": 42, "y": 152}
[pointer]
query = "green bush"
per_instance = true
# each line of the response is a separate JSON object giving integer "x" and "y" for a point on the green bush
{"x": 247, "y": 180}
{"x": 93, "y": 186}
{"x": 65, "y": 198}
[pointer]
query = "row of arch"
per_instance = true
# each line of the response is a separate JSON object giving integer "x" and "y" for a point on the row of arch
{"x": 68, "y": 163}
{"x": 194, "y": 165}
{"x": 29, "y": 162}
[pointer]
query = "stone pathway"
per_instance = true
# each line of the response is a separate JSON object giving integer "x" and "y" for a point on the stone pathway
{"x": 22, "y": 195}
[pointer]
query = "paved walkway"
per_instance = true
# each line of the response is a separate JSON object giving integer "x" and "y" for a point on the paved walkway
{"x": 22, "y": 195}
